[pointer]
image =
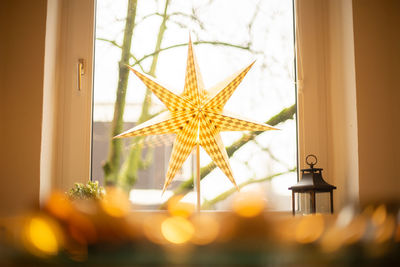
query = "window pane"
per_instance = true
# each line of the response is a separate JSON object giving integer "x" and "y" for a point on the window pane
{"x": 227, "y": 36}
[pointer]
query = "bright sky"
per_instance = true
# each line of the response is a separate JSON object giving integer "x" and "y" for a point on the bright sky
{"x": 267, "y": 88}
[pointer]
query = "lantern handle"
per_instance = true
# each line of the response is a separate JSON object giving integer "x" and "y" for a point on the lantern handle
{"x": 312, "y": 163}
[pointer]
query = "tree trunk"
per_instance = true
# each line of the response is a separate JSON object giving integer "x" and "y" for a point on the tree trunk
{"x": 115, "y": 149}
{"x": 129, "y": 171}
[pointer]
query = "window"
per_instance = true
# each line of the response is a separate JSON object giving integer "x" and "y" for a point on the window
{"x": 321, "y": 27}
{"x": 224, "y": 42}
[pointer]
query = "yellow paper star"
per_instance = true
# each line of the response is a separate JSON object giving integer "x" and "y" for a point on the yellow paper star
{"x": 196, "y": 117}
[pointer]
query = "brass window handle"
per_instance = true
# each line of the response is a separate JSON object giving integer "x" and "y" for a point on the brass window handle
{"x": 81, "y": 72}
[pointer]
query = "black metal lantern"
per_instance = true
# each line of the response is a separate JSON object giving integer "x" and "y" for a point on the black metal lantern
{"x": 312, "y": 183}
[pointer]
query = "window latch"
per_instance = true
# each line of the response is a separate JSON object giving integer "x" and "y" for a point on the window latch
{"x": 81, "y": 72}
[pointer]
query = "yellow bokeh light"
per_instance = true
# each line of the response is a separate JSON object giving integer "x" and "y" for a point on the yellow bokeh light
{"x": 178, "y": 208}
{"x": 116, "y": 203}
{"x": 379, "y": 215}
{"x": 177, "y": 230}
{"x": 152, "y": 228}
{"x": 42, "y": 236}
{"x": 248, "y": 204}
{"x": 206, "y": 229}
{"x": 309, "y": 229}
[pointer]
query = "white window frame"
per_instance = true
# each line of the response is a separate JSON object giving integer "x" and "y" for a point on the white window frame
{"x": 77, "y": 20}
{"x": 314, "y": 19}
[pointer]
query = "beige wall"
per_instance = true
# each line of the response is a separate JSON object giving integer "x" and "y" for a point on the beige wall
{"x": 23, "y": 24}
{"x": 377, "y": 61}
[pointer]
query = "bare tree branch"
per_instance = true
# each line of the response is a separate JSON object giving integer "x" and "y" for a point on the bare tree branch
{"x": 209, "y": 203}
{"x": 114, "y": 43}
{"x": 271, "y": 155}
{"x": 148, "y": 16}
{"x": 138, "y": 61}
{"x": 252, "y": 20}
{"x": 248, "y": 48}
{"x": 284, "y": 115}
{"x": 191, "y": 16}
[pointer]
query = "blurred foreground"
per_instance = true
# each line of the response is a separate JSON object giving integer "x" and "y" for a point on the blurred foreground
{"x": 108, "y": 232}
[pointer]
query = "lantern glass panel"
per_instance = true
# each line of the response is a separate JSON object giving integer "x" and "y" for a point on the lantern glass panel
{"x": 303, "y": 203}
{"x": 303, "y": 206}
{"x": 322, "y": 202}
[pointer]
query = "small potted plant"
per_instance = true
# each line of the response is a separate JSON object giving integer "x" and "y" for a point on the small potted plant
{"x": 91, "y": 190}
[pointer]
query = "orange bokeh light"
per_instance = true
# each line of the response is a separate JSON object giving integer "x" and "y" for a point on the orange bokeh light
{"x": 248, "y": 204}
{"x": 152, "y": 228}
{"x": 309, "y": 229}
{"x": 116, "y": 203}
{"x": 379, "y": 215}
{"x": 177, "y": 230}
{"x": 178, "y": 208}
{"x": 59, "y": 205}
{"x": 206, "y": 229}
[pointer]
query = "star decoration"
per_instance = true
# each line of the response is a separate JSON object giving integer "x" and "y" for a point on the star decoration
{"x": 196, "y": 117}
